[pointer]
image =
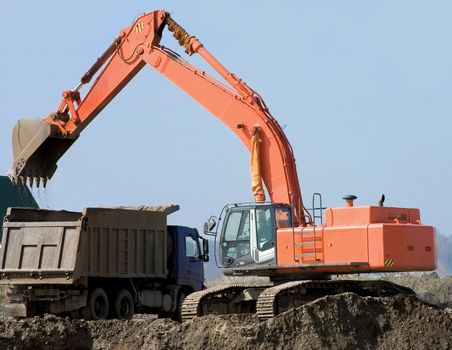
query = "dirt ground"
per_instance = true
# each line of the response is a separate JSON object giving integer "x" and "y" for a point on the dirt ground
{"x": 344, "y": 321}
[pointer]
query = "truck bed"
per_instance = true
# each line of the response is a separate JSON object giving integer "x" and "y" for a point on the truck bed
{"x": 61, "y": 247}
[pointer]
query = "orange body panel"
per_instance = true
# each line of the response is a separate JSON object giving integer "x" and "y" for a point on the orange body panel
{"x": 345, "y": 243}
{"x": 370, "y": 215}
{"x": 360, "y": 239}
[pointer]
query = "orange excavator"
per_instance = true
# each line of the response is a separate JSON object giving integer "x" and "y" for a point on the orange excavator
{"x": 298, "y": 249}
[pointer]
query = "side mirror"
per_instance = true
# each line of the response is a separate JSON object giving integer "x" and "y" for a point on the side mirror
{"x": 210, "y": 225}
{"x": 205, "y": 249}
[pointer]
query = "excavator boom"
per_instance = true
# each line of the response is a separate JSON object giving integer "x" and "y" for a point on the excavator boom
{"x": 38, "y": 144}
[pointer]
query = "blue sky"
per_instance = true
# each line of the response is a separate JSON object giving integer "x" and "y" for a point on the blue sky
{"x": 363, "y": 89}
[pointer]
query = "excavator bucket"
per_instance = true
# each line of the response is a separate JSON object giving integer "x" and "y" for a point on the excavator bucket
{"x": 36, "y": 151}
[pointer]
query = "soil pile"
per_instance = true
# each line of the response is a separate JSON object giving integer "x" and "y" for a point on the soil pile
{"x": 345, "y": 321}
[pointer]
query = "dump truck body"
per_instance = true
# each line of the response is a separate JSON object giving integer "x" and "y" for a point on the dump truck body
{"x": 55, "y": 259}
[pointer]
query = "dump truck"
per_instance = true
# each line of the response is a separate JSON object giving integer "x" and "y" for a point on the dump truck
{"x": 100, "y": 263}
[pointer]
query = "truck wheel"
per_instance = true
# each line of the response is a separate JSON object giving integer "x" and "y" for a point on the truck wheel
{"x": 97, "y": 308}
{"x": 124, "y": 305}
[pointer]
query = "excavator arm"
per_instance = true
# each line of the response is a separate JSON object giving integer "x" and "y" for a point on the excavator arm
{"x": 39, "y": 143}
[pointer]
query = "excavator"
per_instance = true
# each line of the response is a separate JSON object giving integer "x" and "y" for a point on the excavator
{"x": 298, "y": 249}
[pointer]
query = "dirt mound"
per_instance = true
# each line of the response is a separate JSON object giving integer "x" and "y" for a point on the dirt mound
{"x": 345, "y": 321}
{"x": 49, "y": 332}
{"x": 352, "y": 322}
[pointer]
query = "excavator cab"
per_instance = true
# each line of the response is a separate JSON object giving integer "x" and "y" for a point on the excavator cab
{"x": 248, "y": 234}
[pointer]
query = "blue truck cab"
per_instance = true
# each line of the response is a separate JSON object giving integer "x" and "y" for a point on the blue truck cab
{"x": 188, "y": 252}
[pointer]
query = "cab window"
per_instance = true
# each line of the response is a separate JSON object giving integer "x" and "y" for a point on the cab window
{"x": 236, "y": 241}
{"x": 282, "y": 216}
{"x": 191, "y": 248}
{"x": 238, "y": 226}
{"x": 265, "y": 229}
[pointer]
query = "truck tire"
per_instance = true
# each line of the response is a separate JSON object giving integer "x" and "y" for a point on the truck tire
{"x": 97, "y": 308}
{"x": 124, "y": 307}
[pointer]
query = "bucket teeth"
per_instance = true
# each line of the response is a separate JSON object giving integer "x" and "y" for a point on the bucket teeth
{"x": 30, "y": 180}
{"x": 36, "y": 150}
{"x": 14, "y": 179}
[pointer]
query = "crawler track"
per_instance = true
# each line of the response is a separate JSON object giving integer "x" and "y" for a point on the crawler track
{"x": 269, "y": 300}
{"x": 224, "y": 299}
{"x": 286, "y": 296}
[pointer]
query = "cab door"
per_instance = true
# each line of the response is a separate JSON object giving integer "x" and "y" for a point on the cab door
{"x": 263, "y": 233}
{"x": 235, "y": 238}
{"x": 193, "y": 264}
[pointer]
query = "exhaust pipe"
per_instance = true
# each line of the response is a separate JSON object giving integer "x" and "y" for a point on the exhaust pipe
{"x": 36, "y": 150}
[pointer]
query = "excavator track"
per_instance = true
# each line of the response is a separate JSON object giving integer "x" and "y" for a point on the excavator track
{"x": 286, "y": 296}
{"x": 223, "y": 299}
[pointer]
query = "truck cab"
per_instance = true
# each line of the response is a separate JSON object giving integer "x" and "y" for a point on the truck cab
{"x": 187, "y": 253}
